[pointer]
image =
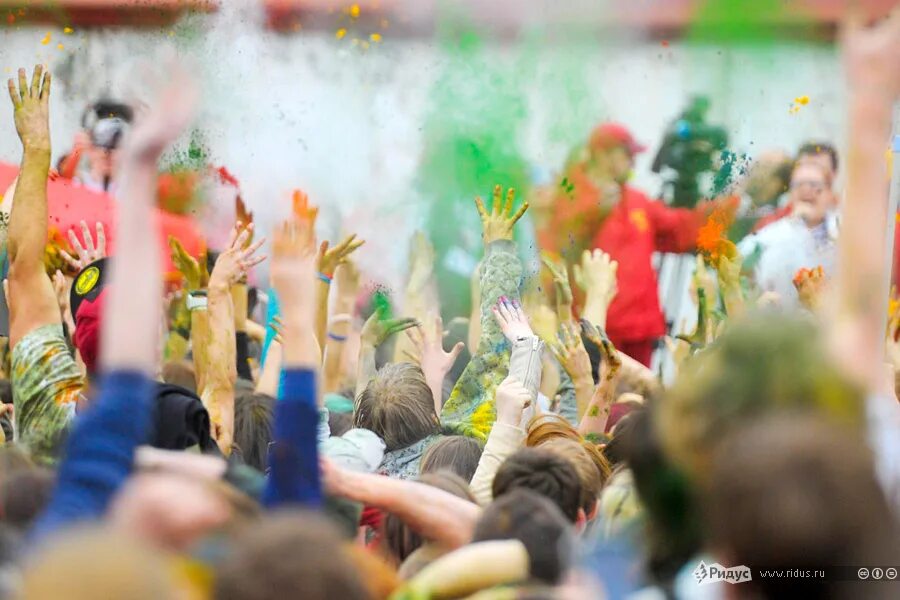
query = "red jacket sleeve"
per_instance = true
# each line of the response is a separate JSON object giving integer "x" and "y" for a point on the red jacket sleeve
{"x": 675, "y": 229}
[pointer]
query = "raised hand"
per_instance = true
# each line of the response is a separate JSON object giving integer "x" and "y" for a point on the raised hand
{"x": 329, "y": 259}
{"x": 511, "y": 319}
{"x": 560, "y": 275}
{"x": 421, "y": 261}
{"x": 238, "y": 258}
{"x": 89, "y": 252}
{"x": 571, "y": 354}
{"x": 870, "y": 54}
{"x": 728, "y": 264}
{"x": 511, "y": 399}
{"x": 168, "y": 114}
{"x": 596, "y": 274}
{"x": 810, "y": 285}
{"x": 294, "y": 263}
{"x": 610, "y": 359}
{"x": 498, "y": 224}
{"x": 301, "y": 207}
{"x": 31, "y": 108}
{"x": 429, "y": 349}
{"x": 378, "y": 329}
{"x": 195, "y": 274}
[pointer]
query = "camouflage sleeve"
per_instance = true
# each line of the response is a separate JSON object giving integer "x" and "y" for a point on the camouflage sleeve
{"x": 568, "y": 405}
{"x": 46, "y": 386}
{"x": 470, "y": 408}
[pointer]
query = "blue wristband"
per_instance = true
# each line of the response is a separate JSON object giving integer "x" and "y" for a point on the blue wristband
{"x": 336, "y": 337}
{"x": 324, "y": 278}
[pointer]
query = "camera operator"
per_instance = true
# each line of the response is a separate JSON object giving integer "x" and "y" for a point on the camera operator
{"x": 603, "y": 211}
{"x": 104, "y": 124}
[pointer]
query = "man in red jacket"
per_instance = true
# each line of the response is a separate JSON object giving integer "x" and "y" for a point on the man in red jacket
{"x": 630, "y": 227}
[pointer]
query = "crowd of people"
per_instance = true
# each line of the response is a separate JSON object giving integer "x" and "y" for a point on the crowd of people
{"x": 155, "y": 447}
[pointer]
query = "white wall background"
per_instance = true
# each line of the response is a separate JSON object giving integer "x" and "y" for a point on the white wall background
{"x": 307, "y": 110}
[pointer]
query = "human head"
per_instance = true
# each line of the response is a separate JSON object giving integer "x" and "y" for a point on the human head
{"x": 397, "y": 405}
{"x": 289, "y": 555}
{"x": 591, "y": 479}
{"x": 784, "y": 495}
{"x": 458, "y": 453}
{"x": 24, "y": 495}
{"x": 535, "y": 521}
{"x": 769, "y": 177}
{"x": 97, "y": 563}
{"x": 180, "y": 373}
{"x": 810, "y": 192}
{"x": 399, "y": 540}
{"x": 543, "y": 472}
{"x": 548, "y": 427}
{"x": 253, "y": 428}
{"x": 105, "y": 123}
{"x": 821, "y": 153}
{"x": 762, "y": 364}
{"x": 611, "y": 150}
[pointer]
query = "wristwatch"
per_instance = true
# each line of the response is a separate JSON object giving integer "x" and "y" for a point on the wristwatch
{"x": 196, "y": 301}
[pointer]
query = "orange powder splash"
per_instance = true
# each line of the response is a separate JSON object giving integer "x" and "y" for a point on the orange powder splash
{"x": 711, "y": 239}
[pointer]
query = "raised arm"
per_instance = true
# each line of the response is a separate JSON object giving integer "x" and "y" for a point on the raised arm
{"x": 420, "y": 296}
{"x": 101, "y": 447}
{"x": 329, "y": 259}
{"x": 434, "y": 514}
{"x": 293, "y": 458}
{"x": 560, "y": 272}
{"x": 217, "y": 392}
{"x": 572, "y": 355}
{"x": 32, "y": 300}
{"x": 511, "y": 400}
{"x": 593, "y": 423}
{"x": 469, "y": 410}
{"x": 376, "y": 330}
{"x": 596, "y": 275}
{"x": 861, "y": 283}
{"x": 340, "y": 325}
{"x": 428, "y": 352}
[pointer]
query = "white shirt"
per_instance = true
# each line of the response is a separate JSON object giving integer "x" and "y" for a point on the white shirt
{"x": 785, "y": 247}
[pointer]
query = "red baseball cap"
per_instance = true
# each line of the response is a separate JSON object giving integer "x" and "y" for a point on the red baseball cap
{"x": 88, "y": 319}
{"x": 609, "y": 135}
{"x": 86, "y": 302}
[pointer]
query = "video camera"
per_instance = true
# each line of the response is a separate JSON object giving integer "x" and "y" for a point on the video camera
{"x": 688, "y": 148}
{"x": 106, "y": 121}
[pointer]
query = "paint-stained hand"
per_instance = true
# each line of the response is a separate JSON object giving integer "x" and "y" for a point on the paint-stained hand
{"x": 195, "y": 274}
{"x": 560, "y": 274}
{"x": 378, "y": 329}
{"x": 498, "y": 224}
{"x": 810, "y": 285}
{"x": 330, "y": 258}
{"x": 571, "y": 353}
{"x": 31, "y": 108}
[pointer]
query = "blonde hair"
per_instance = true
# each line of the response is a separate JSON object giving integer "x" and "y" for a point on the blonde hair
{"x": 397, "y": 405}
{"x": 97, "y": 563}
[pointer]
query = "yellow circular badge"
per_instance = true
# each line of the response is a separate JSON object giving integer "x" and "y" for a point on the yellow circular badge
{"x": 87, "y": 280}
